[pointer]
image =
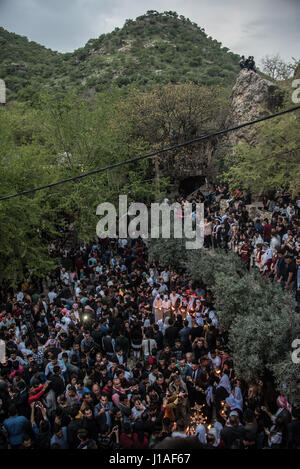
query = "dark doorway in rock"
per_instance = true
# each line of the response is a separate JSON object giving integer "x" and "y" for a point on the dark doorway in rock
{"x": 190, "y": 184}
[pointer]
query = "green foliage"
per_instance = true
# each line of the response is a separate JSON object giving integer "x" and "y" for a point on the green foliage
{"x": 272, "y": 163}
{"x": 167, "y": 251}
{"x": 261, "y": 318}
{"x": 205, "y": 267}
{"x": 287, "y": 378}
{"x": 259, "y": 340}
{"x": 26, "y": 224}
{"x": 229, "y": 302}
{"x": 161, "y": 47}
{"x": 58, "y": 139}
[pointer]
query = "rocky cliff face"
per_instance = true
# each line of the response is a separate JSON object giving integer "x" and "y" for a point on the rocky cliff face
{"x": 297, "y": 72}
{"x": 252, "y": 97}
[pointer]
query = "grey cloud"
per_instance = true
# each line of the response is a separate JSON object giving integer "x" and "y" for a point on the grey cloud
{"x": 256, "y": 27}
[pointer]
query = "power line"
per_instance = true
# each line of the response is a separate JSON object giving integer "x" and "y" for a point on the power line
{"x": 149, "y": 155}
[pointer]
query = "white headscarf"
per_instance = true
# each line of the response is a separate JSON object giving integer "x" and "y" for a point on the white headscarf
{"x": 201, "y": 433}
{"x": 219, "y": 427}
{"x": 235, "y": 401}
{"x": 225, "y": 383}
{"x": 189, "y": 319}
{"x": 213, "y": 431}
{"x": 166, "y": 323}
{"x": 209, "y": 395}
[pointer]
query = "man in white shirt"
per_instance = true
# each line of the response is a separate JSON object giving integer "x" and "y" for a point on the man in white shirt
{"x": 52, "y": 295}
{"x": 275, "y": 241}
{"x": 149, "y": 280}
{"x": 148, "y": 345}
{"x": 165, "y": 276}
{"x": 215, "y": 359}
{"x": 173, "y": 297}
{"x": 137, "y": 410}
{"x": 64, "y": 276}
{"x": 163, "y": 288}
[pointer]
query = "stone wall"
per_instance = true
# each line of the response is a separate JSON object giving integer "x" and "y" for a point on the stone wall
{"x": 253, "y": 209}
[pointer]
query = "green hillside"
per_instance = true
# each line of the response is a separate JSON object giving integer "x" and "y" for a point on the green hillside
{"x": 156, "y": 48}
{"x": 25, "y": 64}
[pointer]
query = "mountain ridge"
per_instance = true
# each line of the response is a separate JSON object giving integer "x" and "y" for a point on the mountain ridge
{"x": 155, "y": 48}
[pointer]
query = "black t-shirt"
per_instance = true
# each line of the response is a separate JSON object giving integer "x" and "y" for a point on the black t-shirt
{"x": 230, "y": 434}
{"x": 286, "y": 269}
{"x": 294, "y": 434}
{"x": 196, "y": 332}
{"x": 199, "y": 351}
{"x": 159, "y": 338}
{"x": 72, "y": 429}
{"x": 171, "y": 335}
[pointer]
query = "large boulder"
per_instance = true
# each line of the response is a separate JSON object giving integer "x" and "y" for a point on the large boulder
{"x": 252, "y": 97}
{"x": 297, "y": 72}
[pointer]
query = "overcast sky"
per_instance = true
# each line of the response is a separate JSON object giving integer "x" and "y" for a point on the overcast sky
{"x": 256, "y": 27}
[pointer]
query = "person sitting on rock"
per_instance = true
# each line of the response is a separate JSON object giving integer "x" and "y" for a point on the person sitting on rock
{"x": 251, "y": 64}
{"x": 242, "y": 62}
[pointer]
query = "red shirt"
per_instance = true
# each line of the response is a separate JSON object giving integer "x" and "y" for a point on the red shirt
{"x": 125, "y": 441}
{"x": 140, "y": 444}
{"x": 39, "y": 391}
{"x": 245, "y": 256}
{"x": 267, "y": 231}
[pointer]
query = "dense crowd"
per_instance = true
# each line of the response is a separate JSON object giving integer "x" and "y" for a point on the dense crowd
{"x": 113, "y": 351}
{"x": 270, "y": 242}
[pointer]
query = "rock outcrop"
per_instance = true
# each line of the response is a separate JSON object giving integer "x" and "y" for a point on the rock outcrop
{"x": 252, "y": 97}
{"x": 297, "y": 72}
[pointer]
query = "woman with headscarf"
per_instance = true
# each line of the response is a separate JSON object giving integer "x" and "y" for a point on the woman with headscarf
{"x": 235, "y": 399}
{"x": 276, "y": 433}
{"x": 165, "y": 324}
{"x": 218, "y": 427}
{"x": 157, "y": 308}
{"x": 166, "y": 305}
{"x": 223, "y": 389}
{"x": 201, "y": 434}
{"x": 213, "y": 439}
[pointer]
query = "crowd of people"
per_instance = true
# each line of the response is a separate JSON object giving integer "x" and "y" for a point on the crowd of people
{"x": 247, "y": 64}
{"x": 113, "y": 351}
{"x": 270, "y": 242}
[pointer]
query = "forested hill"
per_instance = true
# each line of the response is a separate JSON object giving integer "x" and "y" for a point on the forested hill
{"x": 156, "y": 48}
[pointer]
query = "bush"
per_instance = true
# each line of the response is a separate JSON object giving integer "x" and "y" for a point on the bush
{"x": 261, "y": 318}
